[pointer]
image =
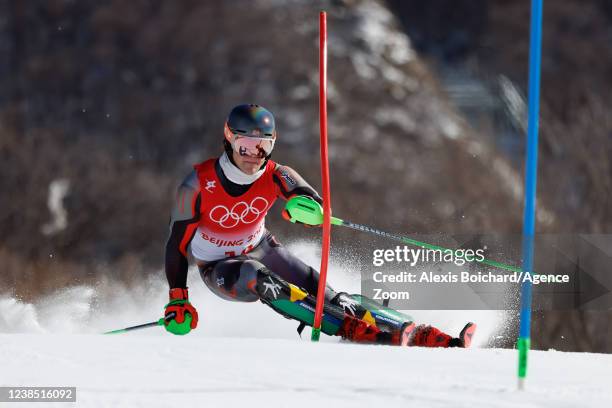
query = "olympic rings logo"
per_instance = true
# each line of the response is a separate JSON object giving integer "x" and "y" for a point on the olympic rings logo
{"x": 240, "y": 212}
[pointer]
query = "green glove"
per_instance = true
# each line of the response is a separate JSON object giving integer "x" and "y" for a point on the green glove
{"x": 304, "y": 210}
{"x": 180, "y": 316}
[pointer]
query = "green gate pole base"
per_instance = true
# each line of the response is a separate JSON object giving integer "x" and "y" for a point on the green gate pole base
{"x": 523, "y": 345}
{"x": 315, "y": 334}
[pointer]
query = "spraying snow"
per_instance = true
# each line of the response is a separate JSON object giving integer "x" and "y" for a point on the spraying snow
{"x": 244, "y": 353}
{"x": 110, "y": 305}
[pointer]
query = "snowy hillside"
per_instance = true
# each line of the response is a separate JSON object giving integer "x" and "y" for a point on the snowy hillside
{"x": 154, "y": 371}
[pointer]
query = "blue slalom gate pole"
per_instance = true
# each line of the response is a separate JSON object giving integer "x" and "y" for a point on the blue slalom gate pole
{"x": 531, "y": 173}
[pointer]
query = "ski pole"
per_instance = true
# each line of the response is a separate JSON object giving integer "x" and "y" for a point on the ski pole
{"x": 159, "y": 322}
{"x": 307, "y": 211}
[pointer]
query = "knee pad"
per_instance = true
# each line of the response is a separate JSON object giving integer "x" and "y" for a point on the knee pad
{"x": 270, "y": 286}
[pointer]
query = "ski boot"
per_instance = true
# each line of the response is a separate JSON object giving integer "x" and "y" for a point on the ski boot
{"x": 360, "y": 331}
{"x": 428, "y": 336}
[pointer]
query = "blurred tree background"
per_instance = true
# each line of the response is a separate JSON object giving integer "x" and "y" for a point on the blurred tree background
{"x": 105, "y": 105}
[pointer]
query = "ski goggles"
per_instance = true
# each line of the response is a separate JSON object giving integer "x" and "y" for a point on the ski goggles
{"x": 246, "y": 145}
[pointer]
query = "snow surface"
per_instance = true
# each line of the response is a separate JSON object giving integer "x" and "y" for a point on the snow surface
{"x": 165, "y": 371}
{"x": 246, "y": 355}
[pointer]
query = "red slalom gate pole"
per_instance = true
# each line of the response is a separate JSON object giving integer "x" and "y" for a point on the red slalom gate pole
{"x": 316, "y": 327}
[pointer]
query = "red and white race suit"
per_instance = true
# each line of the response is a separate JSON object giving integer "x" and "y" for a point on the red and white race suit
{"x": 231, "y": 226}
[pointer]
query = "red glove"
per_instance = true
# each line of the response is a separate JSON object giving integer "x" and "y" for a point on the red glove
{"x": 179, "y": 305}
{"x": 286, "y": 215}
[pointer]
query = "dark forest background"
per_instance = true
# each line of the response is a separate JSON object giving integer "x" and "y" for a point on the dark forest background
{"x": 116, "y": 100}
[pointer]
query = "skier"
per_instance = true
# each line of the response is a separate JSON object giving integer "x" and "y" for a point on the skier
{"x": 219, "y": 215}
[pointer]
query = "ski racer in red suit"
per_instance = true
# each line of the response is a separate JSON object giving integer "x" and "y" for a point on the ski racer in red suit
{"x": 219, "y": 216}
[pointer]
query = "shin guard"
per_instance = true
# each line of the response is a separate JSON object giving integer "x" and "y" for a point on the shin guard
{"x": 294, "y": 303}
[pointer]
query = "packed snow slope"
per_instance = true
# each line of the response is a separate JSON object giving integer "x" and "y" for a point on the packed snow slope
{"x": 191, "y": 371}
